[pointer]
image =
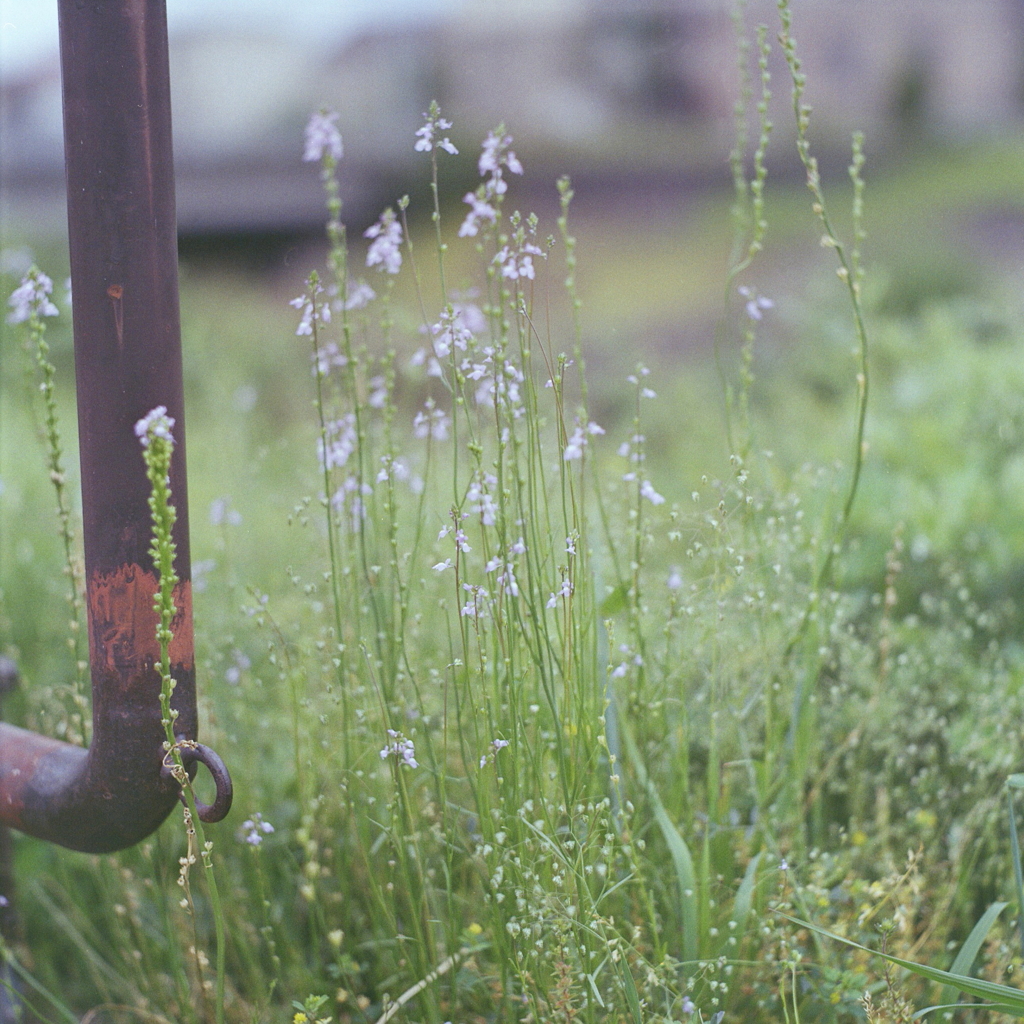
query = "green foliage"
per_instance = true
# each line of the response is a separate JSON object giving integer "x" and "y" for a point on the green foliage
{"x": 525, "y": 729}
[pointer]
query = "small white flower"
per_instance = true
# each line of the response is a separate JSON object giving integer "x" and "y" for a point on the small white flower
{"x": 441, "y": 566}
{"x": 322, "y": 136}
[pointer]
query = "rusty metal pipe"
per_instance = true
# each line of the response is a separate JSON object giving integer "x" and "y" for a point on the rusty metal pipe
{"x": 122, "y": 234}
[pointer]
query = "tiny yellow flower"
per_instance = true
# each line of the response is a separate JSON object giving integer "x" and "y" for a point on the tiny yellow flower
{"x": 300, "y": 1018}
{"x": 474, "y": 929}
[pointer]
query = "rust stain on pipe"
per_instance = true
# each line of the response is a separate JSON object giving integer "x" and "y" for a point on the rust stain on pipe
{"x": 123, "y": 621}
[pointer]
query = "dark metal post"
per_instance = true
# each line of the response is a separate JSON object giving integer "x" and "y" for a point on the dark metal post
{"x": 121, "y": 221}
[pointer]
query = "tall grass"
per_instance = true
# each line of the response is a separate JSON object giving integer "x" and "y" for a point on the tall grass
{"x": 521, "y": 731}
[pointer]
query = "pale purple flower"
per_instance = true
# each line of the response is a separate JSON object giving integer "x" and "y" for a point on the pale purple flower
{"x": 156, "y": 423}
{"x": 647, "y": 491}
{"x": 675, "y": 579}
{"x": 441, "y": 566}
{"x": 476, "y": 606}
{"x": 378, "y": 395}
{"x": 578, "y": 441}
{"x": 255, "y": 829}
{"x": 517, "y": 263}
{"x": 574, "y": 449}
{"x": 481, "y": 501}
{"x": 755, "y": 303}
{"x": 31, "y": 298}
{"x": 496, "y": 745}
{"x": 392, "y": 469}
{"x": 422, "y": 357}
{"x": 360, "y": 294}
{"x": 449, "y": 332}
{"x": 385, "y": 250}
{"x": 564, "y": 591}
{"x": 322, "y": 136}
{"x": 310, "y": 313}
{"x": 688, "y": 1005}
{"x": 325, "y": 357}
{"x": 426, "y": 137}
{"x": 494, "y": 156}
{"x": 222, "y": 514}
{"x": 480, "y": 211}
{"x": 351, "y": 494}
{"x": 240, "y": 663}
{"x": 433, "y": 424}
{"x": 401, "y": 749}
{"x": 339, "y": 442}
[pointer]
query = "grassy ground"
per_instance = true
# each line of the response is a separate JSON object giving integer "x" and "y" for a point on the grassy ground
{"x": 618, "y": 798}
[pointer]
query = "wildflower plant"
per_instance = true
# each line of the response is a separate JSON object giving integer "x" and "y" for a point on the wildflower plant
{"x": 31, "y": 304}
{"x": 155, "y": 436}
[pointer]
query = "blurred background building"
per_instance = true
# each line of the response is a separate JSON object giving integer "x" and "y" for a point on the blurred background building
{"x": 613, "y": 89}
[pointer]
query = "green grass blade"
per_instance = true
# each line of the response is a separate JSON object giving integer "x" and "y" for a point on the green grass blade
{"x": 741, "y": 905}
{"x": 1012, "y": 783}
{"x": 991, "y": 1007}
{"x": 1011, "y": 999}
{"x": 632, "y": 996}
{"x": 969, "y": 950}
{"x": 686, "y": 878}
